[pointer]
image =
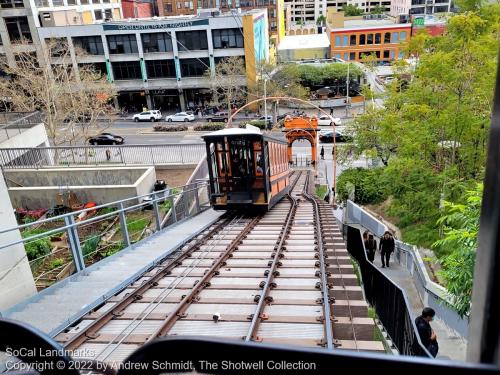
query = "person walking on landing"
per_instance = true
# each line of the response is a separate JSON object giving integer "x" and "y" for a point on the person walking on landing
{"x": 386, "y": 248}
{"x": 370, "y": 247}
{"x": 425, "y": 331}
{"x": 322, "y": 153}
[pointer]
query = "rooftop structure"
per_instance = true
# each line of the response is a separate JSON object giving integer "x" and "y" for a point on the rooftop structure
{"x": 299, "y": 47}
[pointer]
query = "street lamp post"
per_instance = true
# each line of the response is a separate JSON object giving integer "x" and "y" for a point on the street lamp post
{"x": 265, "y": 102}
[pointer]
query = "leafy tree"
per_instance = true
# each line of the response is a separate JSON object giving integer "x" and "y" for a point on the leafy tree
{"x": 228, "y": 79}
{"x": 72, "y": 102}
{"x": 352, "y": 10}
{"x": 377, "y": 9}
{"x": 321, "y": 20}
{"x": 461, "y": 226}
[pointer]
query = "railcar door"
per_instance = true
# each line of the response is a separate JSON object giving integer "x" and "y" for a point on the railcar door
{"x": 242, "y": 162}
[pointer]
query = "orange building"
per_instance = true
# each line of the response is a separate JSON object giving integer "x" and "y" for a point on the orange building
{"x": 353, "y": 37}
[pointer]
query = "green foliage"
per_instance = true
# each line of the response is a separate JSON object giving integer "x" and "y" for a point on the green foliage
{"x": 136, "y": 225}
{"x": 321, "y": 20}
{"x": 213, "y": 126}
{"x": 310, "y": 75}
{"x": 113, "y": 249}
{"x": 261, "y": 124}
{"x": 55, "y": 263}
{"x": 321, "y": 191}
{"x": 38, "y": 247}
{"x": 352, "y": 10}
{"x": 366, "y": 184}
{"x": 90, "y": 244}
{"x": 377, "y": 9}
{"x": 170, "y": 128}
{"x": 460, "y": 226}
{"x": 106, "y": 210}
{"x": 28, "y": 219}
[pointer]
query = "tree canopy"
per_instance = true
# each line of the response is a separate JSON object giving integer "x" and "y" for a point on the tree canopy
{"x": 352, "y": 10}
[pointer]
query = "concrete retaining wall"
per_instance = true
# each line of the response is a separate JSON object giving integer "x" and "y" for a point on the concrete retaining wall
{"x": 101, "y": 185}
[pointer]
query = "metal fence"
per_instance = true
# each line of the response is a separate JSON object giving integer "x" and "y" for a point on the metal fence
{"x": 389, "y": 300}
{"x": 12, "y": 123}
{"x": 408, "y": 256}
{"x": 301, "y": 160}
{"x": 61, "y": 245}
{"x": 70, "y": 156}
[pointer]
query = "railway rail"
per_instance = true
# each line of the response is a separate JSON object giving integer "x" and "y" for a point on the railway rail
{"x": 282, "y": 277}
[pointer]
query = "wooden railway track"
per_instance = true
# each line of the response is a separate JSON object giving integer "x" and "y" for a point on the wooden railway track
{"x": 282, "y": 277}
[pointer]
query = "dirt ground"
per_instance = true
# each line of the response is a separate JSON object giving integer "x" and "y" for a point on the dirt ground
{"x": 174, "y": 177}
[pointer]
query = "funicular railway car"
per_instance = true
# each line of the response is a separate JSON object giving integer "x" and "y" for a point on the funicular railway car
{"x": 247, "y": 169}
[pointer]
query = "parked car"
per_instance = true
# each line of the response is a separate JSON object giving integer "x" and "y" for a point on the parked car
{"x": 106, "y": 139}
{"x": 326, "y": 120}
{"x": 327, "y": 137}
{"x": 153, "y": 115}
{"x": 218, "y": 117}
{"x": 180, "y": 116}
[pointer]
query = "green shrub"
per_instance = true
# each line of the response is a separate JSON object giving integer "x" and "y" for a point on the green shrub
{"x": 90, "y": 244}
{"x": 261, "y": 124}
{"x": 113, "y": 249}
{"x": 38, "y": 247}
{"x": 136, "y": 225}
{"x": 366, "y": 182}
{"x": 213, "y": 126}
{"x": 58, "y": 262}
{"x": 170, "y": 128}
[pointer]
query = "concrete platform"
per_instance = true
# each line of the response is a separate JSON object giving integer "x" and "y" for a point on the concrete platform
{"x": 62, "y": 304}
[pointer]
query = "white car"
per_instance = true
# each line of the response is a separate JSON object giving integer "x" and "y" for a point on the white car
{"x": 181, "y": 116}
{"x": 153, "y": 115}
{"x": 325, "y": 120}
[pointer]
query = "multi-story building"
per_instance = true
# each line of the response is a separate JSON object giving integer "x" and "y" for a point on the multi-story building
{"x": 410, "y": 7}
{"x": 366, "y": 5}
{"x": 354, "y": 37}
{"x": 138, "y": 8}
{"x": 305, "y": 11}
{"x": 167, "y": 63}
{"x": 274, "y": 8}
{"x": 18, "y": 31}
{"x": 74, "y": 12}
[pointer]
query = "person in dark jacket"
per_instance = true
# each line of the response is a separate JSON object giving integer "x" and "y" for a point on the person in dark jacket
{"x": 426, "y": 333}
{"x": 386, "y": 248}
{"x": 322, "y": 153}
{"x": 370, "y": 247}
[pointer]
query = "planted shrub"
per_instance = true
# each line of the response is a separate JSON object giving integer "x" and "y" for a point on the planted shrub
{"x": 213, "y": 126}
{"x": 170, "y": 128}
{"x": 38, "y": 247}
{"x": 261, "y": 124}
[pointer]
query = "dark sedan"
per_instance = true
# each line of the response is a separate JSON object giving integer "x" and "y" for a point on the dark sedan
{"x": 327, "y": 137}
{"x": 106, "y": 139}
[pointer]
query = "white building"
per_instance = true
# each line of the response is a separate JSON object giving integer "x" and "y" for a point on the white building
{"x": 366, "y": 5}
{"x": 412, "y": 7}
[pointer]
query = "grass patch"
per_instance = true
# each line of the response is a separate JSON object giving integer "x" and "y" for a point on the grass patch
{"x": 136, "y": 225}
{"x": 321, "y": 191}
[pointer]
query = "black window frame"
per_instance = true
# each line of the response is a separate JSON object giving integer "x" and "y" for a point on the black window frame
{"x": 192, "y": 40}
{"x": 23, "y": 35}
{"x": 194, "y": 67}
{"x": 157, "y": 42}
{"x": 352, "y": 40}
{"x": 128, "y": 43}
{"x": 378, "y": 38}
{"x": 362, "y": 39}
{"x": 91, "y": 44}
{"x": 131, "y": 68}
{"x": 387, "y": 37}
{"x": 160, "y": 69}
{"x": 227, "y": 38}
{"x": 10, "y": 4}
{"x": 98, "y": 67}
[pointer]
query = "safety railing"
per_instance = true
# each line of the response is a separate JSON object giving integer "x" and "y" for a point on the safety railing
{"x": 71, "y": 156}
{"x": 301, "y": 160}
{"x": 59, "y": 246}
{"x": 431, "y": 294}
{"x": 12, "y": 123}
{"x": 389, "y": 300}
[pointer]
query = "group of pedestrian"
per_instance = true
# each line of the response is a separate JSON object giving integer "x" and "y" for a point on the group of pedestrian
{"x": 386, "y": 247}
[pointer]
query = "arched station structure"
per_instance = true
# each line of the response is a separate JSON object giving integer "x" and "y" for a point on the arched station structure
{"x": 302, "y": 127}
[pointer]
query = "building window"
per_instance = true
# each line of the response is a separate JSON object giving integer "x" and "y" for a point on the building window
{"x": 127, "y": 70}
{"x": 346, "y": 56}
{"x": 84, "y": 2}
{"x": 227, "y": 38}
{"x": 369, "y": 39}
{"x": 378, "y": 38}
{"x": 18, "y": 29}
{"x": 345, "y": 41}
{"x": 353, "y": 39}
{"x": 352, "y": 56}
{"x": 402, "y": 36}
{"x": 90, "y": 44}
{"x": 387, "y": 37}
{"x": 108, "y": 14}
{"x": 157, "y": 42}
{"x": 217, "y": 60}
{"x": 179, "y": 5}
{"x": 168, "y": 8}
{"x": 337, "y": 55}
{"x": 71, "y": 2}
{"x": 194, "y": 67}
{"x": 58, "y": 3}
{"x": 98, "y": 15}
{"x": 192, "y": 40}
{"x": 160, "y": 68}
{"x": 386, "y": 54}
{"x": 11, "y": 4}
{"x": 95, "y": 67}
{"x": 106, "y": 1}
{"x": 337, "y": 41}
{"x": 392, "y": 54}
{"x": 395, "y": 37}
{"x": 362, "y": 39}
{"x": 118, "y": 44}
{"x": 57, "y": 46}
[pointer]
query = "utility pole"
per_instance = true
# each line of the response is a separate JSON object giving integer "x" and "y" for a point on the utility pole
{"x": 265, "y": 102}
{"x": 347, "y": 95}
